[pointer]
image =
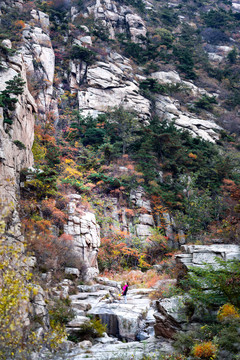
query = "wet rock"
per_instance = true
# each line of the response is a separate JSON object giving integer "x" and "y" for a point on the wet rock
{"x": 122, "y": 319}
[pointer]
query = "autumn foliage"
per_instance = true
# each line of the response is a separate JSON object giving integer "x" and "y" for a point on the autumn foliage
{"x": 52, "y": 251}
{"x": 51, "y": 212}
{"x": 205, "y": 350}
{"x": 117, "y": 252}
{"x": 228, "y": 312}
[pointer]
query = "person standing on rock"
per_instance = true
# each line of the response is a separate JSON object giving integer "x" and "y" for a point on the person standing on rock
{"x": 124, "y": 292}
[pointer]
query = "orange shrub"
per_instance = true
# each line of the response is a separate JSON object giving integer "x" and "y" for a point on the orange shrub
{"x": 192, "y": 156}
{"x": 205, "y": 350}
{"x": 129, "y": 212}
{"x": 49, "y": 210}
{"x": 227, "y": 312}
{"x": 20, "y": 24}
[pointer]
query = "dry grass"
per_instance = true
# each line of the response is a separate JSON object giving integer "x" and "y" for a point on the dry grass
{"x": 137, "y": 278}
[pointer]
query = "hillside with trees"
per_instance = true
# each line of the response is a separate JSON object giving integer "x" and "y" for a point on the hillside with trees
{"x": 119, "y": 144}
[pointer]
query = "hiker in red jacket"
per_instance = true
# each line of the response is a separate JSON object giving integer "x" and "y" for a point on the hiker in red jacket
{"x": 124, "y": 292}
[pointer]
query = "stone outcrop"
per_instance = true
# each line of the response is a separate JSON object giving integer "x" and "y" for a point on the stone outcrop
{"x": 38, "y": 307}
{"x": 173, "y": 314}
{"x": 11, "y": 3}
{"x": 147, "y": 221}
{"x": 236, "y": 6}
{"x": 197, "y": 255}
{"x": 109, "y": 348}
{"x": 85, "y": 231}
{"x": 113, "y": 81}
{"x": 131, "y": 321}
{"x": 16, "y": 142}
{"x": 172, "y": 77}
{"x": 109, "y": 84}
{"x": 142, "y": 219}
{"x": 168, "y": 108}
{"x": 123, "y": 320}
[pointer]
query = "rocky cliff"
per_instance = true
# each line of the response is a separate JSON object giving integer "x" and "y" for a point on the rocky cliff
{"x": 16, "y": 138}
{"x": 109, "y": 84}
{"x": 90, "y": 66}
{"x": 83, "y": 227}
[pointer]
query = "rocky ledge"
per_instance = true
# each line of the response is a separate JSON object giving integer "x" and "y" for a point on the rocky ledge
{"x": 129, "y": 327}
{"x": 198, "y": 255}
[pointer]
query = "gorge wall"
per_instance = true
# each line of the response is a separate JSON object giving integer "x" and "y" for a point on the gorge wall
{"x": 16, "y": 140}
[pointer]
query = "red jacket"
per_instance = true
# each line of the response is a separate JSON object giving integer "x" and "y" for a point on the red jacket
{"x": 125, "y": 289}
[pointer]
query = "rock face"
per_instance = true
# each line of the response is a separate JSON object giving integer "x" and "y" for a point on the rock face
{"x": 147, "y": 221}
{"x": 173, "y": 314}
{"x": 85, "y": 232}
{"x": 123, "y": 321}
{"x": 16, "y": 142}
{"x": 14, "y": 158}
{"x": 12, "y": 3}
{"x": 197, "y": 255}
{"x": 38, "y": 307}
{"x": 131, "y": 321}
{"x": 118, "y": 19}
{"x": 39, "y": 58}
{"x": 170, "y": 109}
{"x": 142, "y": 220}
{"x": 109, "y": 348}
{"x": 169, "y": 317}
{"x": 109, "y": 84}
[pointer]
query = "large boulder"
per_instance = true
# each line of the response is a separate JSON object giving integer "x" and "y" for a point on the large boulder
{"x": 169, "y": 317}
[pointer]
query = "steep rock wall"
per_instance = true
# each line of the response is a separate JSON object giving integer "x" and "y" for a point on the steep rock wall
{"x": 39, "y": 58}
{"x": 12, "y": 157}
